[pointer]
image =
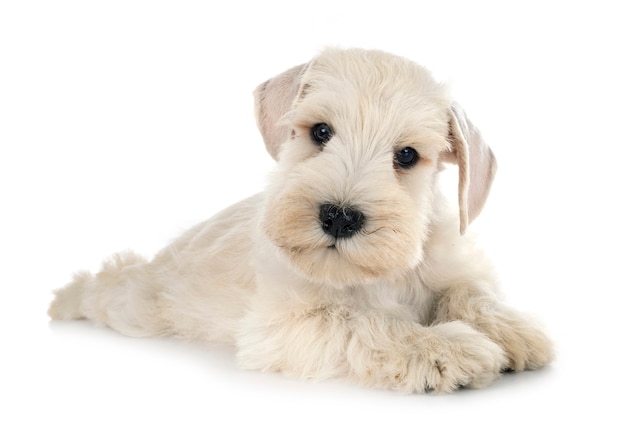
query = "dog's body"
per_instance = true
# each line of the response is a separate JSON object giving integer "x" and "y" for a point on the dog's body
{"x": 351, "y": 262}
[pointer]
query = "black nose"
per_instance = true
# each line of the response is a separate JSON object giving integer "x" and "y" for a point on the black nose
{"x": 340, "y": 222}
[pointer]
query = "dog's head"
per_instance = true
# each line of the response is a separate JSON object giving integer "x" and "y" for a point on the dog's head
{"x": 360, "y": 137}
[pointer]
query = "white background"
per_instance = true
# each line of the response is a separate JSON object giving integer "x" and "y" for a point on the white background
{"x": 124, "y": 122}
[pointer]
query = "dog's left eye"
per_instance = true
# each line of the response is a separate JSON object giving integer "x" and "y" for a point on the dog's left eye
{"x": 407, "y": 157}
{"x": 321, "y": 133}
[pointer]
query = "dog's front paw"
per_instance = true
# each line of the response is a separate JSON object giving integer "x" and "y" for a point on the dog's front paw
{"x": 460, "y": 356}
{"x": 526, "y": 345}
{"x": 439, "y": 359}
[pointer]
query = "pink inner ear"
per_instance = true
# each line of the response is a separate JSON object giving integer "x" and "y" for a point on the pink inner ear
{"x": 273, "y": 99}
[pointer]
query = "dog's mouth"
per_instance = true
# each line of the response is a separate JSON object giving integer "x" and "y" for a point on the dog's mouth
{"x": 349, "y": 261}
{"x": 342, "y": 245}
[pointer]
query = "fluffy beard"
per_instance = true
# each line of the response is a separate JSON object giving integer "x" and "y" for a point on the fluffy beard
{"x": 389, "y": 244}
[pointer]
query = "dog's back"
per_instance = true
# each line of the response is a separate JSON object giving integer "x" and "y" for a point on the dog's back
{"x": 195, "y": 288}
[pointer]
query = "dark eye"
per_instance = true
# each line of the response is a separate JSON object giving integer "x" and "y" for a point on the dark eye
{"x": 407, "y": 157}
{"x": 321, "y": 133}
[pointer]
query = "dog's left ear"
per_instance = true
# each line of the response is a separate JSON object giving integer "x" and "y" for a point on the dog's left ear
{"x": 477, "y": 165}
{"x": 272, "y": 100}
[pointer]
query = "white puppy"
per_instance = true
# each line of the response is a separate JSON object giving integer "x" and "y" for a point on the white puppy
{"x": 350, "y": 263}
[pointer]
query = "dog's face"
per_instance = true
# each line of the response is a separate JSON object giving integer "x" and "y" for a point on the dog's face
{"x": 360, "y": 137}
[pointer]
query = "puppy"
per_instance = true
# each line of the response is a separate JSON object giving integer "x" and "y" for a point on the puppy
{"x": 350, "y": 263}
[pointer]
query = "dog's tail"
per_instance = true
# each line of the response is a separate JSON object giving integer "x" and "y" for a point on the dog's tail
{"x": 123, "y": 295}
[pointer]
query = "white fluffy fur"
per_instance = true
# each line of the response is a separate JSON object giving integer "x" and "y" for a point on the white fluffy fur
{"x": 408, "y": 303}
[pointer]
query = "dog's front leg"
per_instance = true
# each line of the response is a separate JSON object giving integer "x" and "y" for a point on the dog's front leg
{"x": 523, "y": 340}
{"x": 376, "y": 349}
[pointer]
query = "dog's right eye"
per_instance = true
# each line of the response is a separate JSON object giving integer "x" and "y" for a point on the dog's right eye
{"x": 407, "y": 158}
{"x": 321, "y": 133}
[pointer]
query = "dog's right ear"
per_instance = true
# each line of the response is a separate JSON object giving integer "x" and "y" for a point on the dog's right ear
{"x": 477, "y": 165}
{"x": 272, "y": 100}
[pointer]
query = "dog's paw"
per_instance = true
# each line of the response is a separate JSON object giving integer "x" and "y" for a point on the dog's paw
{"x": 67, "y": 301}
{"x": 526, "y": 345}
{"x": 459, "y": 356}
{"x": 440, "y": 358}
